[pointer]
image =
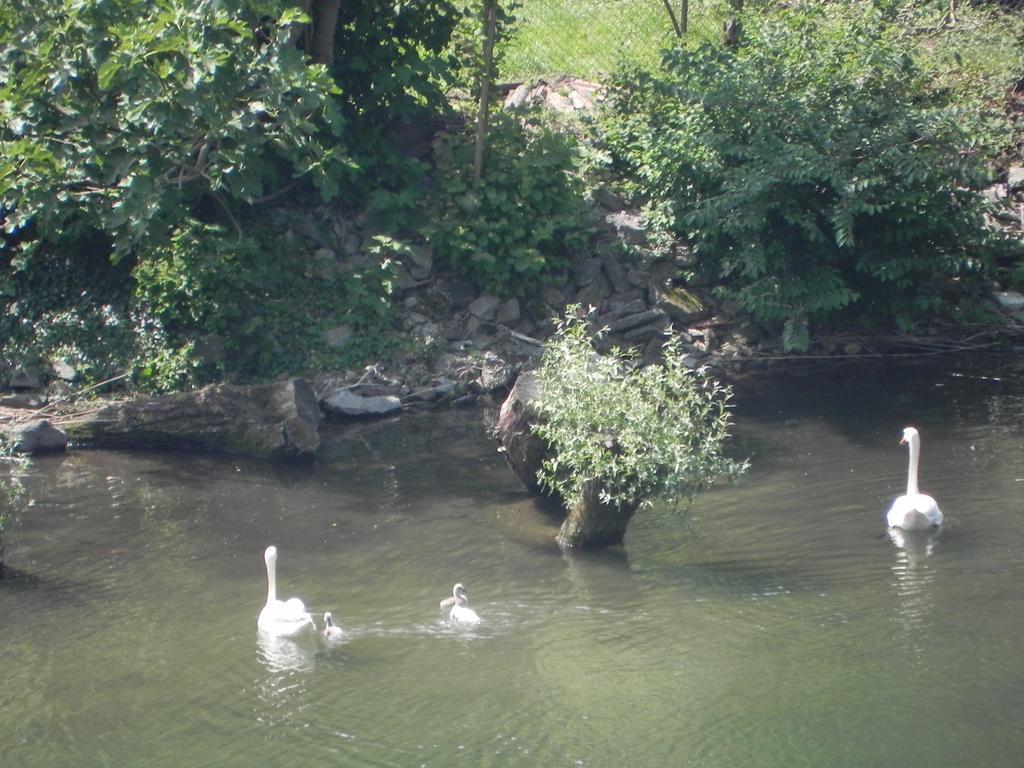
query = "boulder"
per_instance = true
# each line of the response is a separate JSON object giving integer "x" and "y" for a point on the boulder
{"x": 1012, "y": 301}
{"x": 495, "y": 373}
{"x": 25, "y": 400}
{"x": 508, "y": 313}
{"x": 523, "y": 450}
{"x": 485, "y": 307}
{"x": 64, "y": 371}
{"x": 1015, "y": 178}
{"x": 345, "y": 402}
{"x": 276, "y": 421}
{"x": 22, "y": 379}
{"x": 36, "y": 436}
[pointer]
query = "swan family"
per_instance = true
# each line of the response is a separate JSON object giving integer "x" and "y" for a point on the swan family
{"x": 289, "y": 618}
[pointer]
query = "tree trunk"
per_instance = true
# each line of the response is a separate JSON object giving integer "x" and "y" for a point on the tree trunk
{"x": 593, "y": 524}
{"x": 325, "y": 20}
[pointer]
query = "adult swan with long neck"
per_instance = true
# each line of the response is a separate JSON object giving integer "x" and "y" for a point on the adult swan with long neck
{"x": 914, "y": 510}
{"x": 281, "y": 618}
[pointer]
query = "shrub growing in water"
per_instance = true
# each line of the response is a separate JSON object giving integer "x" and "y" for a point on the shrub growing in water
{"x": 637, "y": 433}
{"x": 812, "y": 168}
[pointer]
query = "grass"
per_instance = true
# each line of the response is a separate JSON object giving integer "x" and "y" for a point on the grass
{"x": 592, "y": 38}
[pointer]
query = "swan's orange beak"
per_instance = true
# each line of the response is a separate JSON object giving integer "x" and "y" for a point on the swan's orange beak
{"x": 903, "y": 441}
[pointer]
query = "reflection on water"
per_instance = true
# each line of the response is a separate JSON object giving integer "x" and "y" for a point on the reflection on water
{"x": 915, "y": 579}
{"x": 282, "y": 654}
{"x": 767, "y": 626}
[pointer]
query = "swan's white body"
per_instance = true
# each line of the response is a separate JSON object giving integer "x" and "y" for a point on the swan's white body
{"x": 331, "y": 630}
{"x": 914, "y": 510}
{"x": 281, "y": 618}
{"x": 458, "y": 607}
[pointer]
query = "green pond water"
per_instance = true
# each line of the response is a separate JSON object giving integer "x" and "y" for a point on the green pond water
{"x": 774, "y": 624}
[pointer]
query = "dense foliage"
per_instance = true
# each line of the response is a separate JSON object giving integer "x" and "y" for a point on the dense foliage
{"x": 814, "y": 167}
{"x": 518, "y": 224}
{"x": 120, "y": 115}
{"x": 143, "y": 149}
{"x": 639, "y": 433}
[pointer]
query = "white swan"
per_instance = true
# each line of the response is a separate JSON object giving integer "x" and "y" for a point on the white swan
{"x": 331, "y": 630}
{"x": 281, "y": 618}
{"x": 914, "y": 510}
{"x": 458, "y": 604}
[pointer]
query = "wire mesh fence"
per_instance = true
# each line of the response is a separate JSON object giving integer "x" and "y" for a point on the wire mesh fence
{"x": 591, "y": 38}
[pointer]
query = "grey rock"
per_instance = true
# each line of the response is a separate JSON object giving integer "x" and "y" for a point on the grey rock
{"x": 346, "y": 403}
{"x": 693, "y": 361}
{"x": 277, "y": 421}
{"x": 22, "y": 400}
{"x": 635, "y": 321}
{"x": 853, "y": 348}
{"x": 64, "y": 371}
{"x": 586, "y": 272}
{"x": 995, "y": 193}
{"x": 1015, "y": 178}
{"x": 523, "y": 450}
{"x": 645, "y": 333}
{"x": 626, "y": 308}
{"x": 638, "y": 278}
{"x": 37, "y": 436}
{"x": 552, "y": 297}
{"x": 22, "y": 379}
{"x": 607, "y": 198}
{"x": 422, "y": 258}
{"x": 518, "y": 96}
{"x": 612, "y": 268}
{"x": 404, "y": 279}
{"x": 508, "y": 313}
{"x": 495, "y": 374}
{"x": 444, "y": 388}
{"x": 294, "y": 402}
{"x": 485, "y": 307}
{"x": 594, "y": 295}
{"x": 1011, "y": 301}
{"x": 627, "y": 226}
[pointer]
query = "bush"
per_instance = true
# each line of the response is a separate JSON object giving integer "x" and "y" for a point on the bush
{"x": 814, "y": 168}
{"x": 518, "y": 224}
{"x": 639, "y": 433}
{"x": 142, "y": 145}
{"x": 120, "y": 116}
{"x": 259, "y": 301}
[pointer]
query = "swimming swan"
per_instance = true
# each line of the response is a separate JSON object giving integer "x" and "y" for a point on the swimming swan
{"x": 914, "y": 510}
{"x": 331, "y": 631}
{"x": 281, "y": 618}
{"x": 459, "y": 604}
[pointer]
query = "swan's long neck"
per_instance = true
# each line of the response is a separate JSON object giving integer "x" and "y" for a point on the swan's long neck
{"x": 915, "y": 455}
{"x": 271, "y": 582}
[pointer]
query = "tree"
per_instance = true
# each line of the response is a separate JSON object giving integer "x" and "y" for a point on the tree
{"x": 621, "y": 436}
